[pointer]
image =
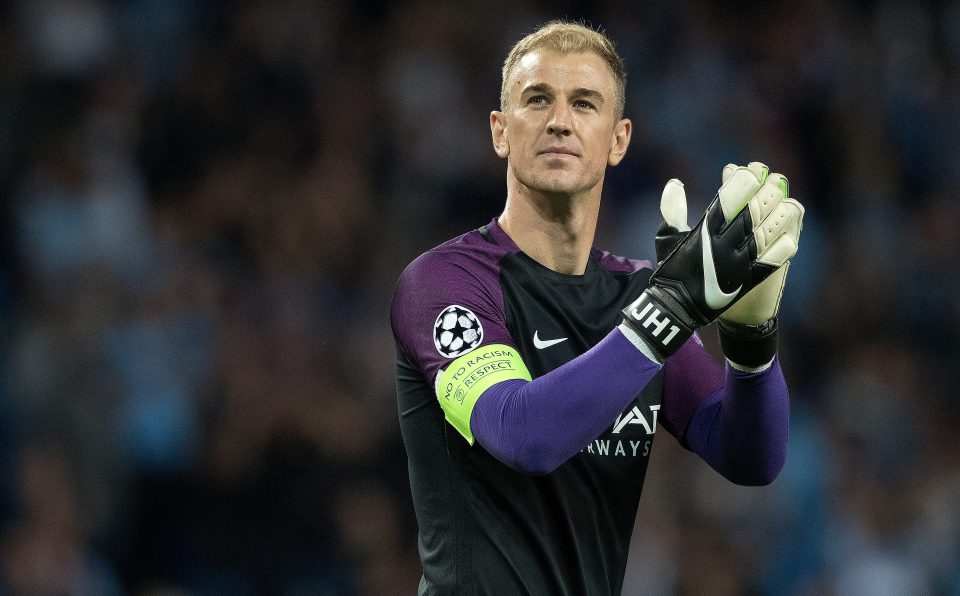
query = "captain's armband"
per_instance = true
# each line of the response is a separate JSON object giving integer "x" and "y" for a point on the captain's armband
{"x": 460, "y": 385}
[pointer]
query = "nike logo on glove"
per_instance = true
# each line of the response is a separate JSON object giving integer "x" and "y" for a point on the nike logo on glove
{"x": 712, "y": 294}
{"x": 545, "y": 343}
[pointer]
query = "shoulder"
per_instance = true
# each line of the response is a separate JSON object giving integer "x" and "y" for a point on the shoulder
{"x": 459, "y": 278}
{"x": 618, "y": 264}
{"x": 467, "y": 254}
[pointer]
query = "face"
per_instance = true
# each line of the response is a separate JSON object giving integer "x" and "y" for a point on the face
{"x": 559, "y": 130}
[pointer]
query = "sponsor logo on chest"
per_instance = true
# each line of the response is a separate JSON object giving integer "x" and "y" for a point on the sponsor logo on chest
{"x": 635, "y": 416}
{"x": 622, "y": 439}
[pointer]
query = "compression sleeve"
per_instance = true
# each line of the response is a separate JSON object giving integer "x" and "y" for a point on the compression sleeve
{"x": 534, "y": 426}
{"x": 741, "y": 429}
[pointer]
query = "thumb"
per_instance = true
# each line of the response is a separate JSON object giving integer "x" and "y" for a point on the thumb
{"x": 673, "y": 205}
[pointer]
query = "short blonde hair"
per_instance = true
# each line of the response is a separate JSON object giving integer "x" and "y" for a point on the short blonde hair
{"x": 568, "y": 38}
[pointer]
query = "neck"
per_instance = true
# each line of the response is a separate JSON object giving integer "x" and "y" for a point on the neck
{"x": 556, "y": 231}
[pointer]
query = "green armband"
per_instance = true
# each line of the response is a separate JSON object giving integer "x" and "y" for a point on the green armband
{"x": 461, "y": 384}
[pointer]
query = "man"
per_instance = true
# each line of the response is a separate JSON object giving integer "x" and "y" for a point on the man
{"x": 532, "y": 369}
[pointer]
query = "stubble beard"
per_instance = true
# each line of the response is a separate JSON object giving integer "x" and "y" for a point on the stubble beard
{"x": 558, "y": 188}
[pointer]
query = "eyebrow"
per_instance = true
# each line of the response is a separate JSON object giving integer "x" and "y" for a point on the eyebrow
{"x": 579, "y": 92}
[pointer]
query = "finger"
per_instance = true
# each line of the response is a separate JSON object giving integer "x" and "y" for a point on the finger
{"x": 673, "y": 205}
{"x": 780, "y": 251}
{"x": 728, "y": 171}
{"x": 775, "y": 189}
{"x": 786, "y": 220}
{"x": 742, "y": 183}
{"x": 730, "y": 168}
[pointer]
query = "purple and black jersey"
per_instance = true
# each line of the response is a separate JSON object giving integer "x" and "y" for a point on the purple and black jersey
{"x": 487, "y": 527}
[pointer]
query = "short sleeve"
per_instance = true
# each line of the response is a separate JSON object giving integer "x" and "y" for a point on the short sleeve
{"x": 447, "y": 303}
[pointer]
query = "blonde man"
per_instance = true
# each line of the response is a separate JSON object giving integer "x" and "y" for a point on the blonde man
{"x": 533, "y": 369}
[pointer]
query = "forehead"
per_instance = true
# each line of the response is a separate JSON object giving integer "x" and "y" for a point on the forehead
{"x": 574, "y": 70}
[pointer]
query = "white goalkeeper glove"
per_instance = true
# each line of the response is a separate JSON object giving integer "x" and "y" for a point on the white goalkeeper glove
{"x": 748, "y": 329}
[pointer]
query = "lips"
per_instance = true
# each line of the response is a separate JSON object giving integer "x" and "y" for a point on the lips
{"x": 559, "y": 151}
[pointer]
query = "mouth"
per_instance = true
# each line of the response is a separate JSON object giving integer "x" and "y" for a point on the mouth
{"x": 555, "y": 151}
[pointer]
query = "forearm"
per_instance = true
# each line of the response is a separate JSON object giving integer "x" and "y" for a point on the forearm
{"x": 534, "y": 426}
{"x": 741, "y": 430}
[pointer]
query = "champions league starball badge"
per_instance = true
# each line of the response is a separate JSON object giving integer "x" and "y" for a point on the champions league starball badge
{"x": 457, "y": 331}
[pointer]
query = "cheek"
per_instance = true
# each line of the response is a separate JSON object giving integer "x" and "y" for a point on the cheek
{"x": 600, "y": 148}
{"x": 603, "y": 144}
{"x": 525, "y": 132}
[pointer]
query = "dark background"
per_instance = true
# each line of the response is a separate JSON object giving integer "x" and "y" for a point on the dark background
{"x": 206, "y": 205}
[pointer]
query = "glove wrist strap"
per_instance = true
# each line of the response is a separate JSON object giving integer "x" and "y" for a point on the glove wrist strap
{"x": 748, "y": 345}
{"x": 660, "y": 321}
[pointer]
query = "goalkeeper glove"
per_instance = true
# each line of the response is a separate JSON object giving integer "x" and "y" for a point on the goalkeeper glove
{"x": 748, "y": 328}
{"x": 710, "y": 267}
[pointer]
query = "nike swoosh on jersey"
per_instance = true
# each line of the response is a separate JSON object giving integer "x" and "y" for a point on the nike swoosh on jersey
{"x": 712, "y": 294}
{"x": 545, "y": 343}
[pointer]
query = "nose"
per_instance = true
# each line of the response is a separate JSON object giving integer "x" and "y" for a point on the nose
{"x": 559, "y": 123}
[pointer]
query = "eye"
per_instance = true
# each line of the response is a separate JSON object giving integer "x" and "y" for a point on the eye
{"x": 537, "y": 100}
{"x": 583, "y": 104}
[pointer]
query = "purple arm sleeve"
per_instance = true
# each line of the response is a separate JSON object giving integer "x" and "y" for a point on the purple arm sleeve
{"x": 534, "y": 426}
{"x": 741, "y": 429}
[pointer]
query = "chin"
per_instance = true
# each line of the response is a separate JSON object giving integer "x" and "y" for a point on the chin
{"x": 555, "y": 185}
{"x": 557, "y": 182}
{"x": 562, "y": 187}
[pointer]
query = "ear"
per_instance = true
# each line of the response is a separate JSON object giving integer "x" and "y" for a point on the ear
{"x": 619, "y": 141}
{"x": 498, "y": 130}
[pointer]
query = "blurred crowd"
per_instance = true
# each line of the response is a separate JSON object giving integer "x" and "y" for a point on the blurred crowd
{"x": 206, "y": 205}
